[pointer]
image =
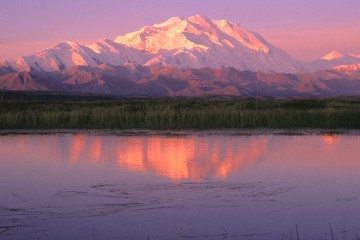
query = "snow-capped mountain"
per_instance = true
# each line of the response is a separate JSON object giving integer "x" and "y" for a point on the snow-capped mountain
{"x": 69, "y": 54}
{"x": 334, "y": 59}
{"x": 333, "y": 55}
{"x": 350, "y": 69}
{"x": 198, "y": 42}
{"x": 195, "y": 42}
{"x": 196, "y": 56}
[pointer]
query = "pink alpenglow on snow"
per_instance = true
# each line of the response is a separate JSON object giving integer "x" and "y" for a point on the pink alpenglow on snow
{"x": 332, "y": 55}
{"x": 195, "y": 42}
{"x": 305, "y": 29}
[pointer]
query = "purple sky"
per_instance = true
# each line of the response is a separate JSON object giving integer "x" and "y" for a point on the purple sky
{"x": 307, "y": 29}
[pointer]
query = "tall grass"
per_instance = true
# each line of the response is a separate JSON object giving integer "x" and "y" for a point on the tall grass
{"x": 181, "y": 114}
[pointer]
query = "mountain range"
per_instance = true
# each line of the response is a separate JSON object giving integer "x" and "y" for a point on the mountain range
{"x": 182, "y": 57}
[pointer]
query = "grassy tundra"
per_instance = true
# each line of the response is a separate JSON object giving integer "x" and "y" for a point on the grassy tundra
{"x": 180, "y": 114}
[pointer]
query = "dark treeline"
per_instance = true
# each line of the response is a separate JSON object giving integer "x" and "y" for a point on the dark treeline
{"x": 181, "y": 114}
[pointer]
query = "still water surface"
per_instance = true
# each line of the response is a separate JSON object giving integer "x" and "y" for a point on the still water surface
{"x": 93, "y": 186}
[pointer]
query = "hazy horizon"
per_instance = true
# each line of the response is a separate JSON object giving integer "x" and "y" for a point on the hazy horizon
{"x": 307, "y": 30}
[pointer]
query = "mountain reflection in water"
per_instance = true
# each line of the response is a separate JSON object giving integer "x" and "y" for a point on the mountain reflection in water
{"x": 189, "y": 158}
{"x": 77, "y": 186}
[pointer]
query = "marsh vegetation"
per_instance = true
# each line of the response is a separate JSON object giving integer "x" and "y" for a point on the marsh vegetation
{"x": 180, "y": 114}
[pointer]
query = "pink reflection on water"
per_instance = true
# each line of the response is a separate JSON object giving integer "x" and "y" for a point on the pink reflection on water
{"x": 96, "y": 149}
{"x": 130, "y": 155}
{"x": 330, "y": 140}
{"x": 181, "y": 158}
{"x": 170, "y": 157}
{"x": 238, "y": 158}
{"x": 290, "y": 178}
{"x": 189, "y": 158}
{"x": 78, "y": 144}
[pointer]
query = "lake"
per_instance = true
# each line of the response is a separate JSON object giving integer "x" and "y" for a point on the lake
{"x": 184, "y": 186}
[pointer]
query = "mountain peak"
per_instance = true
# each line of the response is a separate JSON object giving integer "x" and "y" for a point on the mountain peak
{"x": 198, "y": 19}
{"x": 194, "y": 42}
{"x": 348, "y": 69}
{"x": 195, "y": 32}
{"x": 333, "y": 55}
{"x": 68, "y": 45}
{"x": 168, "y": 22}
{"x": 354, "y": 55}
